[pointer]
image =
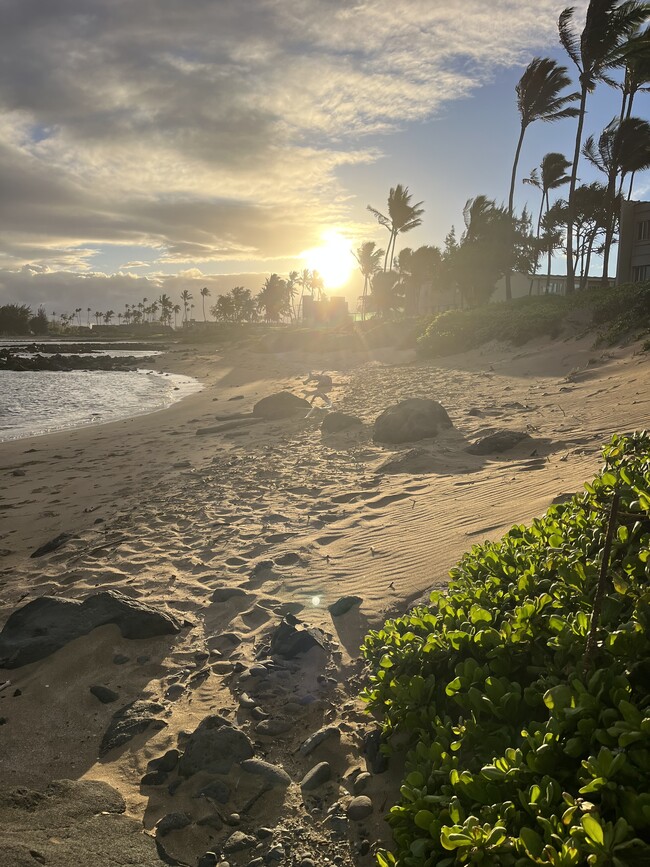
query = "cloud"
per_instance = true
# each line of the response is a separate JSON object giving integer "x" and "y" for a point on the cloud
{"x": 213, "y": 131}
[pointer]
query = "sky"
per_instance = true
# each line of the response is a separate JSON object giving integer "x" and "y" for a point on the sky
{"x": 162, "y": 145}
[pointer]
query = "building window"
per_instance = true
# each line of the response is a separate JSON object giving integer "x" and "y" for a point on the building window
{"x": 643, "y": 230}
{"x": 640, "y": 273}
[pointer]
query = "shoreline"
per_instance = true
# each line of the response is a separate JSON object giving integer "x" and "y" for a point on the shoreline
{"x": 289, "y": 521}
{"x": 187, "y": 384}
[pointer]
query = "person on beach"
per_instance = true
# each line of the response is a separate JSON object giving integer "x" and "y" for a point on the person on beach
{"x": 322, "y": 386}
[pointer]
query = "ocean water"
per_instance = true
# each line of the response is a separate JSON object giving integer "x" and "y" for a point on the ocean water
{"x": 41, "y": 402}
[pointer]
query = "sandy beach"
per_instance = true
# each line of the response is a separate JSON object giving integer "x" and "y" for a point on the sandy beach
{"x": 171, "y": 508}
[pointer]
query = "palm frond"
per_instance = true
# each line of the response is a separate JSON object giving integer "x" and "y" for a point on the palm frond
{"x": 568, "y": 37}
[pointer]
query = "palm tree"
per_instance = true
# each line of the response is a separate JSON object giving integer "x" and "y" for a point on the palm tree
{"x": 402, "y": 217}
{"x": 108, "y": 316}
{"x": 385, "y": 295}
{"x": 205, "y": 293}
{"x": 552, "y": 175}
{"x": 623, "y": 147}
{"x": 186, "y": 297}
{"x": 88, "y": 309}
{"x": 368, "y": 255}
{"x": 292, "y": 282}
{"x": 602, "y": 45}
{"x": 176, "y": 309}
{"x": 538, "y": 98}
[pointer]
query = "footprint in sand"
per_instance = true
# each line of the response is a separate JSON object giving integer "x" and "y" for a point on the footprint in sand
{"x": 289, "y": 559}
{"x": 385, "y": 501}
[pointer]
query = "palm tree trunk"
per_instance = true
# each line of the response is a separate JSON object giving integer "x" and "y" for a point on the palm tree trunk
{"x": 539, "y": 226}
{"x": 570, "y": 269}
{"x": 364, "y": 298}
{"x": 609, "y": 223}
{"x": 511, "y": 201}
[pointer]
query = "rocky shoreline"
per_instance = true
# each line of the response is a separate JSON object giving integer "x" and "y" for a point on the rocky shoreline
{"x": 53, "y": 359}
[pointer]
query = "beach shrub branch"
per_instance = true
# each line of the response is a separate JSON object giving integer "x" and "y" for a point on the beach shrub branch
{"x": 517, "y": 754}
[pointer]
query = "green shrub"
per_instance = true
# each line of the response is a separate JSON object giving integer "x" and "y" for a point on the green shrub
{"x": 512, "y": 322}
{"x": 523, "y": 750}
{"x": 616, "y": 312}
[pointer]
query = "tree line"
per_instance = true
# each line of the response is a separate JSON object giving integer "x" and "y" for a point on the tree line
{"x": 613, "y": 49}
{"x": 279, "y": 299}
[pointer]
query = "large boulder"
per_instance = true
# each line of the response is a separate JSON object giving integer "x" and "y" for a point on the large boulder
{"x": 71, "y": 822}
{"x": 214, "y": 746}
{"x": 284, "y": 404}
{"x": 411, "y": 420}
{"x": 48, "y": 623}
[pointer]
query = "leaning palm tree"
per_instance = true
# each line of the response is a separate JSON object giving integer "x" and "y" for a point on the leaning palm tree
{"x": 552, "y": 175}
{"x": 402, "y": 217}
{"x": 623, "y": 147}
{"x": 538, "y": 98}
{"x": 368, "y": 256}
{"x": 603, "y": 44}
{"x": 205, "y": 293}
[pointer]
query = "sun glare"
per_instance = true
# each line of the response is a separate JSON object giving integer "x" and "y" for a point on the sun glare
{"x": 333, "y": 259}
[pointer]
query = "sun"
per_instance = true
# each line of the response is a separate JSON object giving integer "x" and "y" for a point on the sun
{"x": 333, "y": 259}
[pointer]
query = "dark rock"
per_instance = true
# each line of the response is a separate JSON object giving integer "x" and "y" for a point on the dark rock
{"x": 376, "y": 760}
{"x": 359, "y": 808}
{"x": 104, "y": 694}
{"x": 364, "y": 847}
{"x": 264, "y": 833}
{"x": 120, "y": 659}
{"x": 172, "y": 822}
{"x": 71, "y": 823}
{"x": 343, "y": 605}
{"x": 497, "y": 442}
{"x": 411, "y": 420}
{"x": 217, "y": 791}
{"x": 275, "y": 726}
{"x": 238, "y": 841}
{"x": 315, "y": 777}
{"x": 335, "y": 422}
{"x": 54, "y": 544}
{"x": 276, "y": 853}
{"x": 44, "y": 625}
{"x": 284, "y": 404}
{"x": 292, "y": 638}
{"x": 207, "y": 860}
{"x": 271, "y": 774}
{"x": 164, "y": 763}
{"x": 154, "y": 778}
{"x": 361, "y": 782}
{"x": 129, "y": 721}
{"x": 258, "y": 713}
{"x": 319, "y": 738}
{"x": 214, "y": 747}
{"x": 246, "y": 701}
